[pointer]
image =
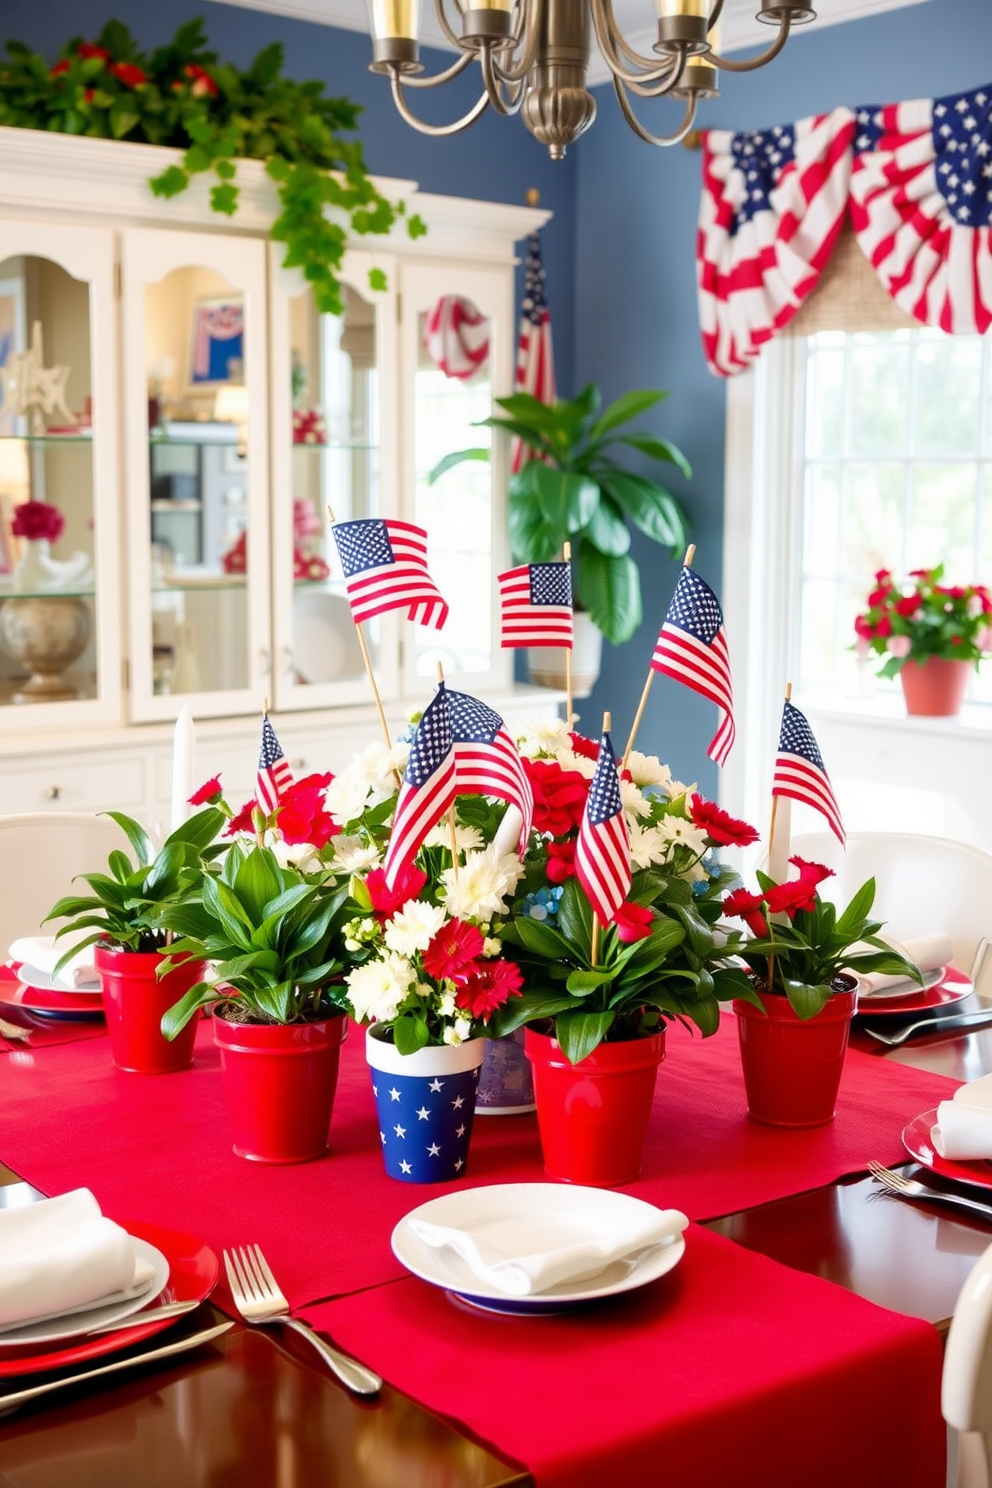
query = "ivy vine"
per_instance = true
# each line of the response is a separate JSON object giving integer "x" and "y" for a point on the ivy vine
{"x": 183, "y": 96}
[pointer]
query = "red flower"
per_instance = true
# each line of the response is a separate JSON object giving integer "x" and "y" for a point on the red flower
{"x": 60, "y": 67}
{"x": 863, "y": 627}
{"x": 750, "y": 908}
{"x": 386, "y": 901}
{"x": 588, "y": 748}
{"x": 300, "y": 815}
{"x": 799, "y": 893}
{"x": 34, "y": 519}
{"x": 208, "y": 793}
{"x": 559, "y": 796}
{"x": 129, "y": 73}
{"x": 203, "y": 84}
{"x": 883, "y": 626}
{"x": 722, "y": 829}
{"x": 90, "y": 49}
{"x": 244, "y": 821}
{"x": 453, "y": 950}
{"x": 909, "y": 604}
{"x": 561, "y": 861}
{"x": 883, "y": 576}
{"x": 633, "y": 922}
{"x": 89, "y": 94}
{"x": 488, "y": 985}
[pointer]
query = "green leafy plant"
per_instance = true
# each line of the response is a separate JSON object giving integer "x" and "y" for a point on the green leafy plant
{"x": 181, "y": 95}
{"x": 925, "y": 618}
{"x": 126, "y": 905}
{"x": 574, "y": 489}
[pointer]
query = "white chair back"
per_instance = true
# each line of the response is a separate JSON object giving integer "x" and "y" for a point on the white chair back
{"x": 40, "y": 855}
{"x": 966, "y": 1390}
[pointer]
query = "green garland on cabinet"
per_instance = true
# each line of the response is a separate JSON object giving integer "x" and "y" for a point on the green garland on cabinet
{"x": 182, "y": 96}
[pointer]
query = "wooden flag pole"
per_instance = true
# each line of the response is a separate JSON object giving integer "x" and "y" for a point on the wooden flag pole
{"x": 366, "y": 658}
{"x": 452, "y": 828}
{"x": 567, "y": 554}
{"x": 690, "y": 553}
{"x": 778, "y": 857}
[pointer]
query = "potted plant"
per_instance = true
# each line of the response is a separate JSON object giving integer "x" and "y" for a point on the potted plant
{"x": 930, "y": 633}
{"x": 596, "y": 1022}
{"x": 270, "y": 925}
{"x": 803, "y": 956}
{"x": 572, "y": 488}
{"x": 124, "y": 915}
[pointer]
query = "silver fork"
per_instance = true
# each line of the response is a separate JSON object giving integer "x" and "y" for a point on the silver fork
{"x": 934, "y": 1025}
{"x": 910, "y": 1188}
{"x": 258, "y": 1299}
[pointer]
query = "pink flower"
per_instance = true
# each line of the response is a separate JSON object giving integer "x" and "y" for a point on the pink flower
{"x": 900, "y": 645}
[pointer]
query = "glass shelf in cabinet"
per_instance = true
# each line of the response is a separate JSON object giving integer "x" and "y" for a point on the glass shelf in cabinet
{"x": 80, "y": 436}
{"x": 7, "y": 592}
{"x": 214, "y": 582}
{"x": 335, "y": 444}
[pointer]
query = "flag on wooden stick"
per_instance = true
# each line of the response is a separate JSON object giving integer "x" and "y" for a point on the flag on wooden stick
{"x": 602, "y": 853}
{"x": 692, "y": 648}
{"x": 799, "y": 770}
{"x": 536, "y": 605}
{"x": 274, "y": 775}
{"x": 385, "y": 568}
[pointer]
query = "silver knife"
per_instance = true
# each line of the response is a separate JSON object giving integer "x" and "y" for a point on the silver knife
{"x": 150, "y": 1315}
{"x": 181, "y": 1346}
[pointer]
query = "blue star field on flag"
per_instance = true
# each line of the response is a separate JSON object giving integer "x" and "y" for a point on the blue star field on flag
{"x": 761, "y": 156}
{"x": 692, "y": 648}
{"x": 536, "y": 605}
{"x": 274, "y": 774}
{"x": 429, "y": 785}
{"x": 385, "y": 568}
{"x": 425, "y": 1123}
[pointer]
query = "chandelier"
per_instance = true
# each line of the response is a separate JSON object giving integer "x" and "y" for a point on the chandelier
{"x": 534, "y": 57}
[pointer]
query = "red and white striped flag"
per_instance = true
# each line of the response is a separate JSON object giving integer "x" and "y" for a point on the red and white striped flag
{"x": 456, "y": 337}
{"x": 385, "y": 568}
{"x": 536, "y": 605}
{"x": 799, "y": 770}
{"x": 487, "y": 762}
{"x": 274, "y": 775}
{"x": 429, "y": 786}
{"x": 602, "y": 852}
{"x": 692, "y": 648}
{"x": 535, "y": 356}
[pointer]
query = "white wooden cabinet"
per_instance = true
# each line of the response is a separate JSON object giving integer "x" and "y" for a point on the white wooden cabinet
{"x": 165, "y": 487}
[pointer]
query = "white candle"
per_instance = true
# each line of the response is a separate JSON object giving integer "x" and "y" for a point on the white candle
{"x": 183, "y": 750}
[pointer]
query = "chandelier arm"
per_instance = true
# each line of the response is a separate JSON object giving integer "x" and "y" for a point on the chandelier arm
{"x": 725, "y": 65}
{"x": 715, "y": 13}
{"x": 446, "y": 26}
{"x": 603, "y": 21}
{"x": 493, "y": 80}
{"x": 435, "y": 130}
{"x": 652, "y": 139}
{"x": 411, "y": 80}
{"x": 659, "y": 90}
{"x": 516, "y": 72}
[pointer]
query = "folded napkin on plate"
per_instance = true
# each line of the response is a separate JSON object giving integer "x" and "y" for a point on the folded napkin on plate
{"x": 964, "y": 1124}
{"x": 43, "y": 952}
{"x": 523, "y": 1275}
{"x": 62, "y": 1256}
{"x": 928, "y": 951}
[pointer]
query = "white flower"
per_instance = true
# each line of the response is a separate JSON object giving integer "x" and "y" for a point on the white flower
{"x": 348, "y": 795}
{"x": 676, "y": 789}
{"x": 491, "y": 946}
{"x": 569, "y": 760}
{"x": 677, "y": 829}
{"x": 379, "y": 768}
{"x": 635, "y": 803}
{"x": 648, "y": 845}
{"x": 376, "y": 989}
{"x": 479, "y": 889}
{"x": 354, "y": 855}
{"x": 302, "y": 856}
{"x": 543, "y": 738}
{"x": 414, "y": 927}
{"x": 647, "y": 769}
{"x": 458, "y": 1032}
{"x": 447, "y": 1005}
{"x": 466, "y": 838}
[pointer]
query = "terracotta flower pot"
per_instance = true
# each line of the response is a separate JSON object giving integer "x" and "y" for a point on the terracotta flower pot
{"x": 593, "y": 1116}
{"x": 792, "y": 1066}
{"x": 279, "y": 1086}
{"x": 134, "y": 999}
{"x": 425, "y": 1103}
{"x": 934, "y": 688}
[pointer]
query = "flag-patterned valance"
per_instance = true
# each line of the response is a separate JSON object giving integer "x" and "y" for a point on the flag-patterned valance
{"x": 917, "y": 180}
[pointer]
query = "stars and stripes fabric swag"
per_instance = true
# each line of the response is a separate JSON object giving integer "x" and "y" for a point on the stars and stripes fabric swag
{"x": 456, "y": 337}
{"x": 916, "y": 178}
{"x": 274, "y": 775}
{"x": 692, "y": 648}
{"x": 800, "y": 773}
{"x": 535, "y": 373}
{"x": 602, "y": 852}
{"x": 385, "y": 568}
{"x": 536, "y": 605}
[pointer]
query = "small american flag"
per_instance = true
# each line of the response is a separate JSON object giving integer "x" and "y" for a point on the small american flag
{"x": 602, "y": 853}
{"x": 535, "y": 357}
{"x": 274, "y": 774}
{"x": 385, "y": 568}
{"x": 536, "y": 603}
{"x": 487, "y": 762}
{"x": 799, "y": 770}
{"x": 429, "y": 785}
{"x": 692, "y": 648}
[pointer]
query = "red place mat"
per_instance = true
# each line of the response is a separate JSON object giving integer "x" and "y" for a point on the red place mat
{"x": 732, "y": 1369}
{"x": 158, "y": 1148}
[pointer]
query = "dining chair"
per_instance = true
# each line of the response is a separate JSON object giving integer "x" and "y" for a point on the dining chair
{"x": 966, "y": 1387}
{"x": 40, "y": 855}
{"x": 923, "y": 884}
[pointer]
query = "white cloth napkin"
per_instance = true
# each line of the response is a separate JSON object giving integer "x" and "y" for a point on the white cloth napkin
{"x": 43, "y": 953}
{"x": 928, "y": 951}
{"x": 964, "y": 1124}
{"x": 524, "y": 1275}
{"x": 62, "y": 1256}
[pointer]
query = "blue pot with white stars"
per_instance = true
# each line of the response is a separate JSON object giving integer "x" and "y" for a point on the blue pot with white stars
{"x": 425, "y": 1103}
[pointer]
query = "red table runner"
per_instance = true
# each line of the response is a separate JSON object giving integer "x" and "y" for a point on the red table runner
{"x": 730, "y": 1370}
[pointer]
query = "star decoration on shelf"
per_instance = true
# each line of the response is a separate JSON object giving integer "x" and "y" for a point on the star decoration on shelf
{"x": 36, "y": 390}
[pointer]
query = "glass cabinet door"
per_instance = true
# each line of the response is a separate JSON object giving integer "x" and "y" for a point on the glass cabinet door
{"x": 331, "y": 460}
{"x": 59, "y": 559}
{"x": 194, "y": 335}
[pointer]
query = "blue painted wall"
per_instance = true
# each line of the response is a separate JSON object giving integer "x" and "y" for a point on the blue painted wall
{"x": 636, "y": 323}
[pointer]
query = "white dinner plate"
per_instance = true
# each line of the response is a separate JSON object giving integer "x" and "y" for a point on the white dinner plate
{"x": 70, "y": 1325}
{"x": 522, "y": 1217}
{"x": 905, "y": 988}
{"x": 43, "y": 981}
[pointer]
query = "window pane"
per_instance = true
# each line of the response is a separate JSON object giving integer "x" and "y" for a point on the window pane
{"x": 948, "y": 386}
{"x": 873, "y": 518}
{"x": 878, "y": 396}
{"x": 825, "y": 401}
{"x": 821, "y": 525}
{"x": 942, "y": 524}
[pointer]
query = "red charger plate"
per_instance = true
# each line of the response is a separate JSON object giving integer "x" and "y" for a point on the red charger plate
{"x": 16, "y": 993}
{"x": 916, "y": 1140}
{"x": 952, "y": 987}
{"x": 193, "y": 1271}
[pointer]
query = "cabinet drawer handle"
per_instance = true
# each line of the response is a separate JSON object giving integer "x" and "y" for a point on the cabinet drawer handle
{"x": 52, "y": 792}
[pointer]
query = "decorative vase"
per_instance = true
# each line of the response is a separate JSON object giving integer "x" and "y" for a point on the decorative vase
{"x": 593, "y": 1116}
{"x": 506, "y": 1087}
{"x": 934, "y": 688}
{"x": 792, "y": 1066}
{"x": 546, "y": 664}
{"x": 134, "y": 999}
{"x": 425, "y": 1103}
{"x": 279, "y": 1085}
{"x": 44, "y": 636}
{"x": 31, "y": 570}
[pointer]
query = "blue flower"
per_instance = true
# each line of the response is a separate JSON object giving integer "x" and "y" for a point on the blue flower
{"x": 543, "y": 905}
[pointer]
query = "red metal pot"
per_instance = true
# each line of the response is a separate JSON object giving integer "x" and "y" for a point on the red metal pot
{"x": 279, "y": 1085}
{"x": 934, "y": 688}
{"x": 135, "y": 998}
{"x": 593, "y": 1116}
{"x": 792, "y": 1067}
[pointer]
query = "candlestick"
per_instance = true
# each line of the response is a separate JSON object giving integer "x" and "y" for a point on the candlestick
{"x": 183, "y": 751}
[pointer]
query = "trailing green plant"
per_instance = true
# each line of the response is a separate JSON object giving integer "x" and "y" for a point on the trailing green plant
{"x": 573, "y": 489}
{"x": 181, "y": 95}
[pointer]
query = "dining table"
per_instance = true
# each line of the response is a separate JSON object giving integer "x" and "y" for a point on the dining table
{"x": 809, "y": 1306}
